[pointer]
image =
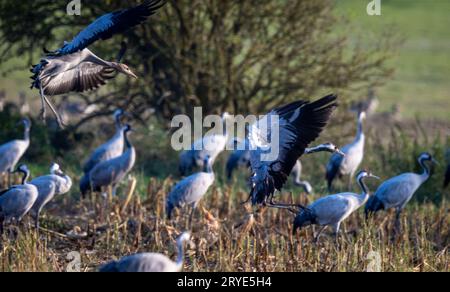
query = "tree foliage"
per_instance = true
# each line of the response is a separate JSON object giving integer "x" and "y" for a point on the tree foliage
{"x": 237, "y": 55}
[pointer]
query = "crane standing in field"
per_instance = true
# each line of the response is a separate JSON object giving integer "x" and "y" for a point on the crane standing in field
{"x": 334, "y": 209}
{"x": 56, "y": 183}
{"x": 111, "y": 149}
{"x": 12, "y": 152}
{"x": 74, "y": 68}
{"x": 191, "y": 190}
{"x": 209, "y": 146}
{"x": 149, "y": 262}
{"x": 111, "y": 172}
{"x": 398, "y": 191}
{"x": 299, "y": 124}
{"x": 17, "y": 201}
{"x": 348, "y": 164}
{"x": 297, "y": 170}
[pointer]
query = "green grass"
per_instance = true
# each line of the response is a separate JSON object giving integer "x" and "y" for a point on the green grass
{"x": 421, "y": 85}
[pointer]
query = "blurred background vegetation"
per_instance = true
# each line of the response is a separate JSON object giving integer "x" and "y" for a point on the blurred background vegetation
{"x": 243, "y": 57}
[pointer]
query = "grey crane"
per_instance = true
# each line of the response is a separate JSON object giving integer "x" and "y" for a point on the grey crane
{"x": 210, "y": 145}
{"x": 398, "y": 191}
{"x": 240, "y": 158}
{"x": 334, "y": 209}
{"x": 348, "y": 164}
{"x": 111, "y": 172}
{"x": 111, "y": 149}
{"x": 149, "y": 262}
{"x": 296, "y": 172}
{"x": 12, "y": 152}
{"x": 74, "y": 68}
{"x": 56, "y": 183}
{"x": 17, "y": 201}
{"x": 191, "y": 190}
{"x": 299, "y": 124}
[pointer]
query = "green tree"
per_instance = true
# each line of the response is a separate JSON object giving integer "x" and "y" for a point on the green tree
{"x": 241, "y": 56}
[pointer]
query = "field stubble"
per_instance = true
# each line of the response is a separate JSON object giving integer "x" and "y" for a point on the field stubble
{"x": 226, "y": 237}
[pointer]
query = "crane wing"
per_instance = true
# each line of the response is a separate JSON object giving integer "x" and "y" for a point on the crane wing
{"x": 84, "y": 77}
{"x": 109, "y": 24}
{"x": 300, "y": 123}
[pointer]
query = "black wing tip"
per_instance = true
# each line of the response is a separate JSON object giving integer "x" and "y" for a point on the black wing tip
{"x": 330, "y": 100}
{"x": 154, "y": 5}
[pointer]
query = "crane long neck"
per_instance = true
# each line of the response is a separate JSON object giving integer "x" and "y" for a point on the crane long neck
{"x": 360, "y": 131}
{"x": 99, "y": 61}
{"x": 127, "y": 142}
{"x": 365, "y": 190}
{"x": 26, "y": 135}
{"x": 426, "y": 169}
{"x": 118, "y": 123}
{"x": 26, "y": 175}
{"x": 320, "y": 148}
{"x": 208, "y": 166}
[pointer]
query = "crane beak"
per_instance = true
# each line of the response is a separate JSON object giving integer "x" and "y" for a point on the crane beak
{"x": 131, "y": 74}
{"x": 375, "y": 177}
{"x": 435, "y": 161}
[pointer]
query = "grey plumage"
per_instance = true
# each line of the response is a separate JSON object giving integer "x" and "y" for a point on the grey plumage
{"x": 111, "y": 149}
{"x": 77, "y": 72}
{"x": 296, "y": 172}
{"x": 74, "y": 68}
{"x": 113, "y": 171}
{"x": 333, "y": 209}
{"x": 18, "y": 200}
{"x": 296, "y": 175}
{"x": 209, "y": 146}
{"x": 12, "y": 152}
{"x": 354, "y": 153}
{"x": 398, "y": 191}
{"x": 149, "y": 262}
{"x": 299, "y": 124}
{"x": 190, "y": 190}
{"x": 56, "y": 183}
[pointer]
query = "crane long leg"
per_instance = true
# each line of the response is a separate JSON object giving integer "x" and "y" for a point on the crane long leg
{"x": 336, "y": 229}
{"x": 58, "y": 117}
{"x": 397, "y": 221}
{"x": 43, "y": 110}
{"x": 317, "y": 237}
{"x": 191, "y": 217}
{"x": 43, "y": 107}
{"x": 36, "y": 221}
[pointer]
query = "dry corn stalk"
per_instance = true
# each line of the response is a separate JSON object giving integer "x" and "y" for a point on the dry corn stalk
{"x": 130, "y": 191}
